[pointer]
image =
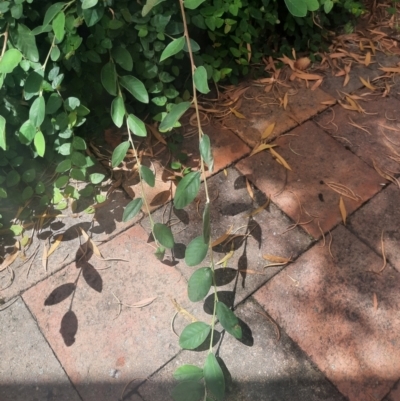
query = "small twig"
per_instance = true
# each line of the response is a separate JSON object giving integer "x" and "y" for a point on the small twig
{"x": 278, "y": 332}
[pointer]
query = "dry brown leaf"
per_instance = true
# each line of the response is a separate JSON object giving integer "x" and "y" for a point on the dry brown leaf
{"x": 286, "y": 60}
{"x": 258, "y": 210}
{"x": 156, "y": 134}
{"x": 375, "y": 301}
{"x": 276, "y": 259}
{"x": 280, "y": 159}
{"x": 260, "y": 148}
{"x": 343, "y": 190}
{"x": 329, "y": 102}
{"x": 9, "y": 259}
{"x": 248, "y": 46}
{"x": 367, "y": 60}
{"x": 249, "y": 189}
{"x": 367, "y": 84}
{"x": 385, "y": 175}
{"x": 268, "y": 131}
{"x": 91, "y": 244}
{"x": 160, "y": 198}
{"x": 316, "y": 85}
{"x": 307, "y": 76}
{"x": 44, "y": 257}
{"x": 141, "y": 304}
{"x": 56, "y": 243}
{"x": 222, "y": 238}
{"x": 250, "y": 271}
{"x": 383, "y": 254}
{"x": 390, "y": 69}
{"x": 285, "y": 101}
{"x": 302, "y": 63}
{"x": 237, "y": 114}
{"x": 343, "y": 211}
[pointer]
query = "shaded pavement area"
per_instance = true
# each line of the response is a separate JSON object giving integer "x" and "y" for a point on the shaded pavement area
{"x": 323, "y": 326}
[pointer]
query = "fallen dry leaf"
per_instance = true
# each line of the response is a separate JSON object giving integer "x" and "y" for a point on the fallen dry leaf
{"x": 249, "y": 189}
{"x": 302, "y": 63}
{"x": 258, "y": 210}
{"x": 276, "y": 259}
{"x": 222, "y": 238}
{"x": 375, "y": 302}
{"x": 237, "y": 114}
{"x": 56, "y": 243}
{"x": 367, "y": 84}
{"x": 44, "y": 257}
{"x": 260, "y": 148}
{"x": 281, "y": 160}
{"x": 225, "y": 258}
{"x": 343, "y": 211}
{"x": 141, "y": 303}
{"x": 268, "y": 131}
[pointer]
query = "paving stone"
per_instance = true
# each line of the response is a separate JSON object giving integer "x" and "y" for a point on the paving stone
{"x": 394, "y": 395}
{"x": 326, "y": 305}
{"x": 261, "y": 367}
{"x": 230, "y": 207}
{"x": 226, "y": 147}
{"x": 90, "y": 341}
{"x": 29, "y": 369}
{"x": 384, "y": 133}
{"x": 262, "y": 109}
{"x": 318, "y": 160}
{"x": 107, "y": 222}
{"x": 382, "y": 213}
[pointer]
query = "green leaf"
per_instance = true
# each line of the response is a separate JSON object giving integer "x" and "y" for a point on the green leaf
{"x": 328, "y": 5}
{"x": 78, "y": 174}
{"x": 54, "y": 102}
{"x": 40, "y": 143}
{"x": 51, "y": 12}
{"x": 17, "y": 229}
{"x": 188, "y": 372}
{"x": 206, "y": 152}
{"x": 109, "y": 78}
{"x": 37, "y": 111}
{"x": 88, "y": 4}
{"x": 3, "y": 193}
{"x": 58, "y": 26}
{"x": 27, "y": 193}
{"x": 119, "y": 153}
{"x": 64, "y": 166}
{"x": 228, "y": 320}
{"x": 196, "y": 251}
{"x": 194, "y": 335}
{"x": 122, "y": 57}
{"x": 33, "y": 84}
{"x": 135, "y": 87}
{"x": 96, "y": 178}
{"x": 78, "y": 159}
{"x": 312, "y": 5}
{"x": 173, "y": 48}
{"x": 200, "y": 80}
{"x": 214, "y": 377}
{"x": 118, "y": 111}
{"x": 29, "y": 175}
{"x": 2, "y": 132}
{"x": 177, "y": 111}
{"x": 136, "y": 125}
{"x": 298, "y": 8}
{"x": 150, "y": 4}
{"x": 206, "y": 223}
{"x": 199, "y": 284}
{"x": 78, "y": 143}
{"x": 27, "y": 132}
{"x": 72, "y": 103}
{"x": 93, "y": 15}
{"x": 10, "y": 60}
{"x": 132, "y": 209}
{"x": 148, "y": 175}
{"x": 26, "y": 42}
{"x": 163, "y": 235}
{"x": 192, "y": 4}
{"x": 187, "y": 190}
{"x": 13, "y": 178}
{"x": 61, "y": 181}
{"x": 188, "y": 391}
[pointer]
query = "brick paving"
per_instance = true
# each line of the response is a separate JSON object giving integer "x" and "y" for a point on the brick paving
{"x": 335, "y": 306}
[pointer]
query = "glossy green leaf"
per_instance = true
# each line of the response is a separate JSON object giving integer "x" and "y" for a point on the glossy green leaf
{"x": 93, "y": 15}
{"x": 54, "y": 102}
{"x": 173, "y": 48}
{"x": 27, "y": 132}
{"x": 119, "y": 153}
{"x": 214, "y": 377}
{"x": 196, "y": 251}
{"x": 3, "y": 193}
{"x": 192, "y": 4}
{"x": 228, "y": 320}
{"x": 148, "y": 175}
{"x": 206, "y": 223}
{"x": 176, "y": 112}
{"x": 122, "y": 57}
{"x": 64, "y": 166}
{"x": 206, "y": 152}
{"x": 10, "y": 60}
{"x": 187, "y": 190}
{"x": 51, "y": 12}
{"x": 136, "y": 125}
{"x": 188, "y": 372}
{"x": 61, "y": 181}
{"x": 33, "y": 84}
{"x": 135, "y": 87}
{"x": 193, "y": 335}
{"x": 163, "y": 235}
{"x": 298, "y": 8}
{"x": 109, "y": 78}
{"x": 58, "y": 26}
{"x": 150, "y": 4}
{"x": 132, "y": 209}
{"x": 188, "y": 391}
{"x": 118, "y": 111}
{"x": 328, "y": 5}
{"x": 27, "y": 193}
{"x": 200, "y": 80}
{"x": 13, "y": 178}
{"x": 78, "y": 174}
{"x": 29, "y": 175}
{"x": 78, "y": 159}
{"x": 40, "y": 143}
{"x": 2, "y": 132}
{"x": 78, "y": 143}
{"x": 96, "y": 178}
{"x": 26, "y": 43}
{"x": 88, "y": 4}
{"x": 312, "y": 5}
{"x": 199, "y": 284}
{"x": 37, "y": 111}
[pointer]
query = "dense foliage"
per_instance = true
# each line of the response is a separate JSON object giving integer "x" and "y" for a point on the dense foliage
{"x": 92, "y": 63}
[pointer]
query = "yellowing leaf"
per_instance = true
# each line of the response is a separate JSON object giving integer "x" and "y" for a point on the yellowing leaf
{"x": 367, "y": 84}
{"x": 249, "y": 189}
{"x": 343, "y": 211}
{"x": 280, "y": 159}
{"x": 236, "y": 113}
{"x": 268, "y": 131}
{"x": 55, "y": 244}
{"x": 260, "y": 148}
{"x": 390, "y": 69}
{"x": 225, "y": 258}
{"x": 367, "y": 60}
{"x": 307, "y": 77}
{"x": 276, "y": 259}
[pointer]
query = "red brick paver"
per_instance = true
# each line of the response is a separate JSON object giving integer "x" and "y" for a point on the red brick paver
{"x": 326, "y": 305}
{"x": 316, "y": 160}
{"x": 104, "y": 348}
{"x": 394, "y": 395}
